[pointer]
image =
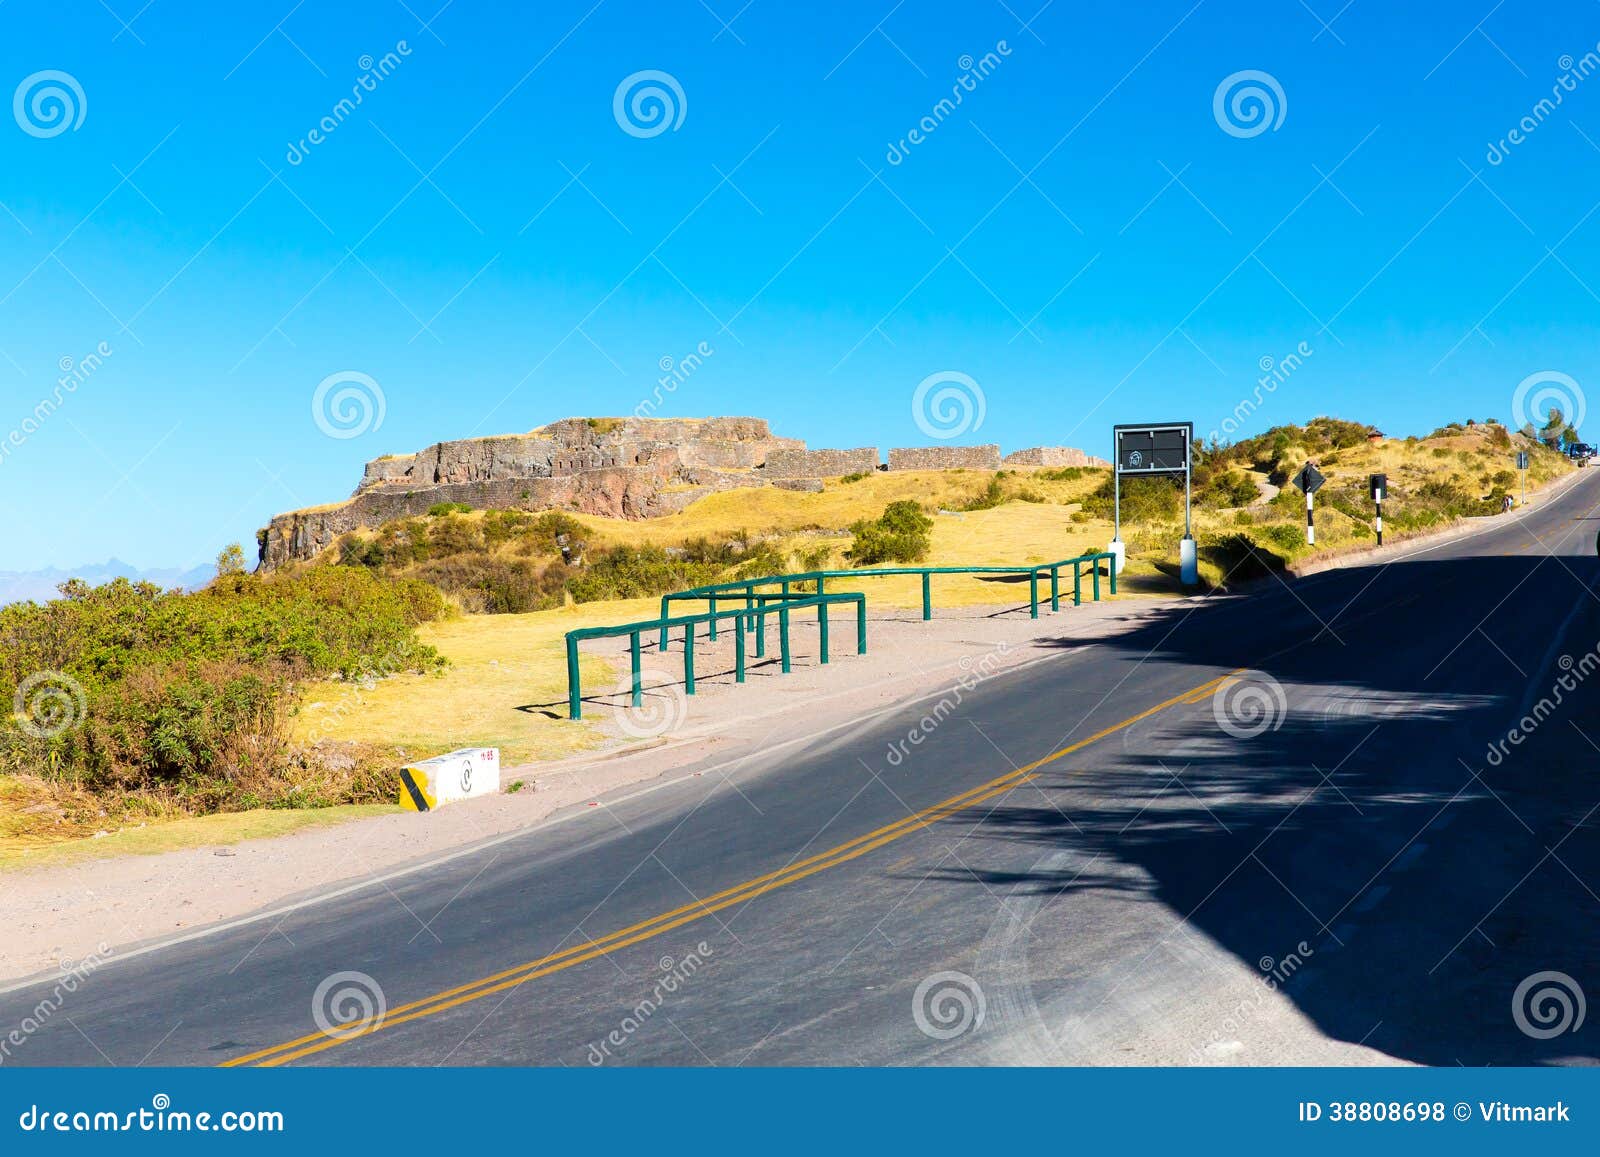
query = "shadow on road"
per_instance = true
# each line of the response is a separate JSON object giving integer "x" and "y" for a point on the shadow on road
{"x": 1342, "y": 793}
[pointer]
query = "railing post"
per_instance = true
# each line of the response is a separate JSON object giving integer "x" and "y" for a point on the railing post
{"x": 574, "y": 690}
{"x": 1095, "y": 567}
{"x": 1055, "y": 588}
{"x": 1077, "y": 582}
{"x": 783, "y": 632}
{"x": 713, "y": 601}
{"x": 1113, "y": 569}
{"x": 1033, "y": 594}
{"x": 927, "y": 596}
{"x": 637, "y": 669}
{"x": 662, "y": 645}
{"x": 822, "y": 629}
{"x": 861, "y": 624}
{"x": 738, "y": 650}
{"x": 749, "y": 622}
{"x": 760, "y": 621}
{"x": 688, "y": 659}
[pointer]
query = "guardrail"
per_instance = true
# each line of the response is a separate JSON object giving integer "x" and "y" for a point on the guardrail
{"x": 754, "y": 615}
{"x": 746, "y": 589}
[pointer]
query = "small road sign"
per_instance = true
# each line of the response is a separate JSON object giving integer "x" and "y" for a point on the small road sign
{"x": 1522, "y": 459}
{"x": 1310, "y": 479}
{"x": 1378, "y": 484}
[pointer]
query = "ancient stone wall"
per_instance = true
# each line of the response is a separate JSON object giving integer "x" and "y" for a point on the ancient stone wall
{"x": 803, "y": 463}
{"x": 945, "y": 457}
{"x": 1052, "y": 456}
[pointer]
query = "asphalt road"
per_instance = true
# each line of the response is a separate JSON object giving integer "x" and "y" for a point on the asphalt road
{"x": 1081, "y": 849}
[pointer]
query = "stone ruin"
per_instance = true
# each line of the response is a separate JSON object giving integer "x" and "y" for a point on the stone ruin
{"x": 614, "y": 467}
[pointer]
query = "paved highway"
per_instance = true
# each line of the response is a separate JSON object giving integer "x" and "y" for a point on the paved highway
{"x": 1106, "y": 860}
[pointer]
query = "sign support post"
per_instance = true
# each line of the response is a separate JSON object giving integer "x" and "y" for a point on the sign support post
{"x": 1310, "y": 480}
{"x": 1379, "y": 482}
{"x": 1522, "y": 466}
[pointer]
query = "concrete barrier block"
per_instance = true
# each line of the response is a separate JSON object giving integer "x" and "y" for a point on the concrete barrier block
{"x": 465, "y": 774}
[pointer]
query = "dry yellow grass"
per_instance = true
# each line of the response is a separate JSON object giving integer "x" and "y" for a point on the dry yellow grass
{"x": 506, "y": 683}
{"x": 505, "y": 687}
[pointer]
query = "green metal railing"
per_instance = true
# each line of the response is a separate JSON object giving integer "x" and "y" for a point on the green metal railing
{"x": 746, "y": 589}
{"x": 753, "y": 614}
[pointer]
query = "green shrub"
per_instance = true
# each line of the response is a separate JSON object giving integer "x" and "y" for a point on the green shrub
{"x": 440, "y": 509}
{"x": 1226, "y": 490}
{"x": 987, "y": 499}
{"x": 902, "y": 533}
{"x": 170, "y": 691}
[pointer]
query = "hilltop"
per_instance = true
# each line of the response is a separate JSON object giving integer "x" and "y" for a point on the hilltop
{"x": 630, "y": 468}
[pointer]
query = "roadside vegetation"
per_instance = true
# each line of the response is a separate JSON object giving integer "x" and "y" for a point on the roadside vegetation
{"x": 304, "y": 689}
{"x": 131, "y": 701}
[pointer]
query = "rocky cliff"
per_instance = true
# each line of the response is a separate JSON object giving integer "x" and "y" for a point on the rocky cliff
{"x": 616, "y": 467}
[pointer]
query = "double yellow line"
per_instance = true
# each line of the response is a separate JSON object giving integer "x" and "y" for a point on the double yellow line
{"x": 666, "y": 921}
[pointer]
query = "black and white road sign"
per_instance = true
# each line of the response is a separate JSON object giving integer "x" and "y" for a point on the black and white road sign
{"x": 1522, "y": 459}
{"x": 1310, "y": 479}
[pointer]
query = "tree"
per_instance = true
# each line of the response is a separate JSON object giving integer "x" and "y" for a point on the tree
{"x": 1553, "y": 427}
{"x": 230, "y": 560}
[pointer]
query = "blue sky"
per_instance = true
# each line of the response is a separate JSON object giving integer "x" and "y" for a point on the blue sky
{"x": 482, "y": 239}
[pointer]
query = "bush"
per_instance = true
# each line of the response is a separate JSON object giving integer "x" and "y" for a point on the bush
{"x": 1144, "y": 500}
{"x": 902, "y": 533}
{"x": 176, "y": 692}
{"x": 1227, "y": 490}
{"x": 630, "y": 572}
{"x": 440, "y": 509}
{"x": 987, "y": 499}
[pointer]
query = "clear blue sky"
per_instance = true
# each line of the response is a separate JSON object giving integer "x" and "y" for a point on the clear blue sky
{"x": 482, "y": 238}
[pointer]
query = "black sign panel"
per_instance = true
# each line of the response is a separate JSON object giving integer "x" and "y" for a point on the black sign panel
{"x": 1310, "y": 479}
{"x": 1522, "y": 459}
{"x": 1158, "y": 448}
{"x": 1378, "y": 483}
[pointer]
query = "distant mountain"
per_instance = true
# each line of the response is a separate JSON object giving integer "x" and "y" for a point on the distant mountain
{"x": 40, "y": 585}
